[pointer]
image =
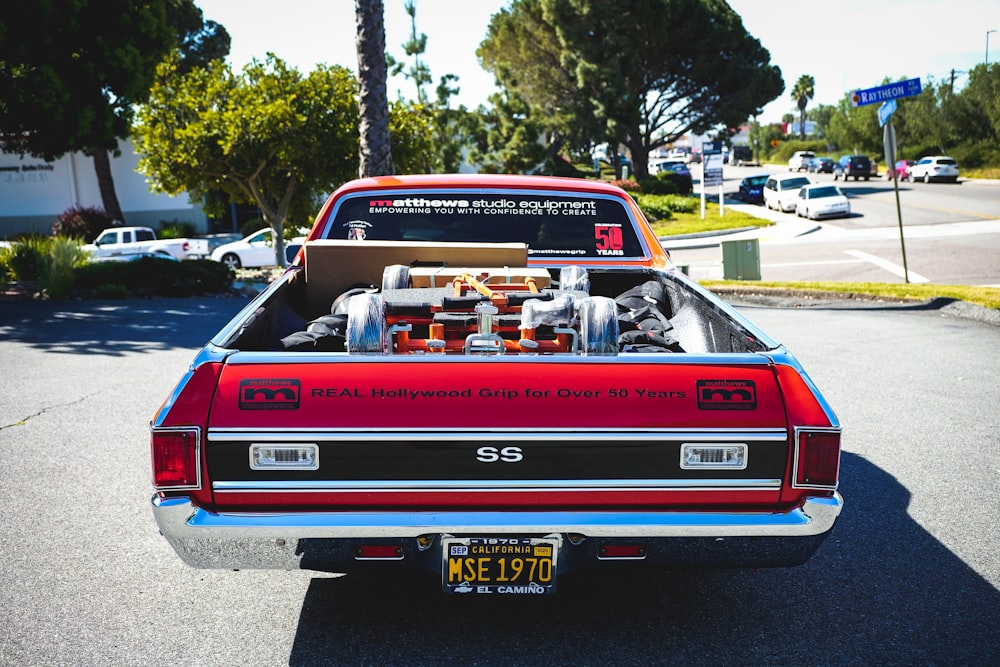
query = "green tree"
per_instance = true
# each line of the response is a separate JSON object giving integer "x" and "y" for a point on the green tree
{"x": 821, "y": 115}
{"x": 856, "y": 129}
{"x": 72, "y": 72}
{"x": 509, "y": 142}
{"x": 636, "y": 69}
{"x": 804, "y": 90}
{"x": 414, "y": 47}
{"x": 523, "y": 52}
{"x": 451, "y": 128}
{"x": 270, "y": 136}
{"x": 375, "y": 146}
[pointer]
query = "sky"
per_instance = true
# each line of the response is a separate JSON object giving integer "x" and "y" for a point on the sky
{"x": 845, "y": 45}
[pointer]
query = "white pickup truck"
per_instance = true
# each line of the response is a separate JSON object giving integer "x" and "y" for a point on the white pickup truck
{"x": 121, "y": 241}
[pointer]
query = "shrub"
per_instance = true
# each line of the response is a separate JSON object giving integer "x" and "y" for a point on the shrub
{"x": 627, "y": 186}
{"x": 153, "y": 276}
{"x": 658, "y": 186}
{"x": 662, "y": 207}
{"x": 64, "y": 256}
{"x": 82, "y": 222}
{"x": 175, "y": 230}
{"x": 682, "y": 182}
{"x": 25, "y": 260}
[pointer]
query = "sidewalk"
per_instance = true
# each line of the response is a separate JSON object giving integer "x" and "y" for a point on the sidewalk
{"x": 787, "y": 226}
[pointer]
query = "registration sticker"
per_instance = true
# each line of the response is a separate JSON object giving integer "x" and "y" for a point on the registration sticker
{"x": 499, "y": 565}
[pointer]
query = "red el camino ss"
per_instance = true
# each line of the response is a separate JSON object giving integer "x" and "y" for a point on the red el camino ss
{"x": 494, "y": 379}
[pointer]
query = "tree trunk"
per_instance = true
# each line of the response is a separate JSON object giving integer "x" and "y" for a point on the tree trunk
{"x": 106, "y": 184}
{"x": 375, "y": 154}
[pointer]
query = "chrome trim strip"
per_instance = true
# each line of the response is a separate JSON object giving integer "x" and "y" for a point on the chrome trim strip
{"x": 716, "y": 359}
{"x": 712, "y": 435}
{"x": 494, "y": 486}
{"x": 185, "y": 525}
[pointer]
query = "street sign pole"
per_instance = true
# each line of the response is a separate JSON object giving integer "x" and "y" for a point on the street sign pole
{"x": 887, "y": 94}
{"x": 889, "y": 139}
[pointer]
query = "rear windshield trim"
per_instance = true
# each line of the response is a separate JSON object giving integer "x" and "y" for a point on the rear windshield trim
{"x": 328, "y": 232}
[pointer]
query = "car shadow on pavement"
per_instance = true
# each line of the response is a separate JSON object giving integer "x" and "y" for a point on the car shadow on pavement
{"x": 880, "y": 590}
{"x": 115, "y": 328}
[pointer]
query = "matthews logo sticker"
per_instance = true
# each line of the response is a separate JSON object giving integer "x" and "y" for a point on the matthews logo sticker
{"x": 726, "y": 395}
{"x": 270, "y": 394}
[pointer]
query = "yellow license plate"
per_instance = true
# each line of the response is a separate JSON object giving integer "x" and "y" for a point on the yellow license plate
{"x": 499, "y": 565}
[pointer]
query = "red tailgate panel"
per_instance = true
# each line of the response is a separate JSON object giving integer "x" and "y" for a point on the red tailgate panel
{"x": 493, "y": 393}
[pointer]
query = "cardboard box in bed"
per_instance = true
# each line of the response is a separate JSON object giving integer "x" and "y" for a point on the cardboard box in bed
{"x": 333, "y": 266}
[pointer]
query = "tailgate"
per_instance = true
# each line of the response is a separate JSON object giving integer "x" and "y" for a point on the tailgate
{"x": 496, "y": 432}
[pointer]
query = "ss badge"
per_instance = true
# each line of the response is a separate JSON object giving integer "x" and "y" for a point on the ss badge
{"x": 493, "y": 454}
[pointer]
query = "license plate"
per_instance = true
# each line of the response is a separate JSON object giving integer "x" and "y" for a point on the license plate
{"x": 501, "y": 565}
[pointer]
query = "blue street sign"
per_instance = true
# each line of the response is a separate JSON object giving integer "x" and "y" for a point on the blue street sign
{"x": 885, "y": 111}
{"x": 890, "y": 91}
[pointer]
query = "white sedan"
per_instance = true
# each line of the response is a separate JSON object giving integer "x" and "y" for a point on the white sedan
{"x": 253, "y": 251}
{"x": 822, "y": 200}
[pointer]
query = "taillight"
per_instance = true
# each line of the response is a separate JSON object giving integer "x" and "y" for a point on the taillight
{"x": 186, "y": 246}
{"x": 175, "y": 454}
{"x": 817, "y": 458}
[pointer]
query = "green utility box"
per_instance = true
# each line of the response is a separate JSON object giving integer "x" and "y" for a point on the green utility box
{"x": 741, "y": 260}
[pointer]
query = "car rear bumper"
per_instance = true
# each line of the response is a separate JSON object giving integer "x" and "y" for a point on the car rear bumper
{"x": 330, "y": 541}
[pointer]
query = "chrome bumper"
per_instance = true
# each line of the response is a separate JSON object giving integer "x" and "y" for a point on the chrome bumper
{"x": 325, "y": 540}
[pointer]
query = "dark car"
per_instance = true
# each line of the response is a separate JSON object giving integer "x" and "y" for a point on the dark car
{"x": 752, "y": 189}
{"x": 858, "y": 166}
{"x": 821, "y": 165}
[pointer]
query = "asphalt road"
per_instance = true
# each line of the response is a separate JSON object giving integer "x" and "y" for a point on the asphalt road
{"x": 909, "y": 577}
{"x": 950, "y": 235}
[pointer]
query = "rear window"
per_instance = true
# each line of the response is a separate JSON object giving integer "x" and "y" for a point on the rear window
{"x": 825, "y": 191}
{"x": 946, "y": 161}
{"x": 790, "y": 183}
{"x": 552, "y": 225}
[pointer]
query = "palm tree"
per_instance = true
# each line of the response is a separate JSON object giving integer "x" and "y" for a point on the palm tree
{"x": 804, "y": 90}
{"x": 373, "y": 105}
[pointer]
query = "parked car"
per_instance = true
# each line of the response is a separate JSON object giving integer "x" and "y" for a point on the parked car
{"x": 901, "y": 170}
{"x": 858, "y": 166}
{"x": 253, "y": 251}
{"x": 673, "y": 164}
{"x": 118, "y": 241}
{"x": 934, "y": 168}
{"x": 780, "y": 190}
{"x": 800, "y": 160}
{"x": 822, "y": 200}
{"x": 821, "y": 165}
{"x": 752, "y": 189}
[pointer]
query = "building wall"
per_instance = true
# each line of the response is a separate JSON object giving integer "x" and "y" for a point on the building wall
{"x": 34, "y": 192}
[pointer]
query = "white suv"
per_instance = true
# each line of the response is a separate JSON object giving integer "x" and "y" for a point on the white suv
{"x": 800, "y": 160}
{"x": 782, "y": 190}
{"x": 934, "y": 168}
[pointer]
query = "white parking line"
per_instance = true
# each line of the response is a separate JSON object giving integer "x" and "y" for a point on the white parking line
{"x": 892, "y": 268}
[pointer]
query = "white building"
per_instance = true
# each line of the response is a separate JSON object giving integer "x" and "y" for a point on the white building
{"x": 34, "y": 192}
